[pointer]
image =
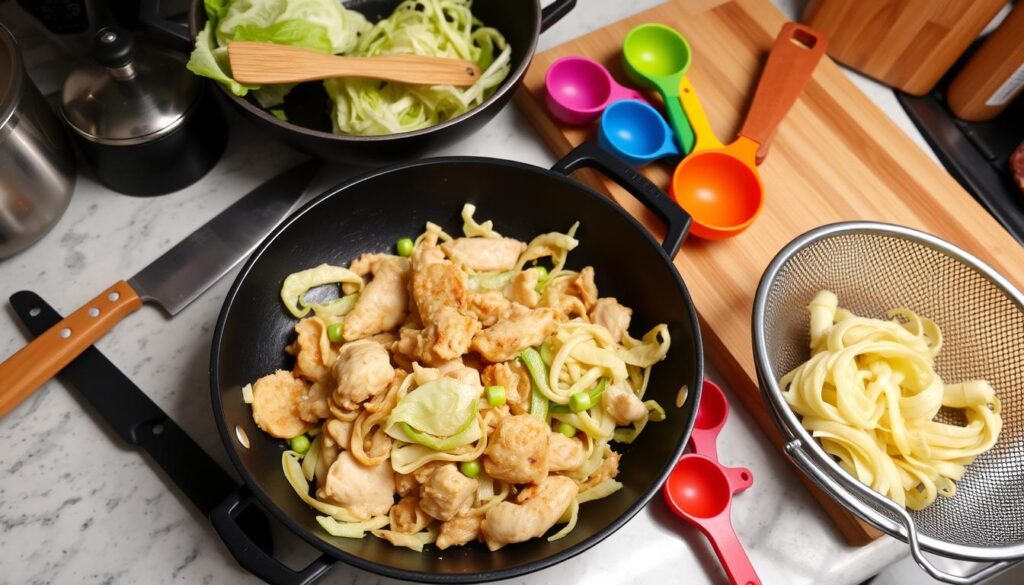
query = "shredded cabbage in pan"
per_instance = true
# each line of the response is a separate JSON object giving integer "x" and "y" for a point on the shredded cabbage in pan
{"x": 871, "y": 395}
{"x": 440, "y": 28}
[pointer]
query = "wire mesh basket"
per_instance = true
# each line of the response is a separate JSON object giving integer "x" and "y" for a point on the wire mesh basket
{"x": 875, "y": 267}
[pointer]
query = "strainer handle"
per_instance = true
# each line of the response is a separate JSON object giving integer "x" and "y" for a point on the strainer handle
{"x": 841, "y": 486}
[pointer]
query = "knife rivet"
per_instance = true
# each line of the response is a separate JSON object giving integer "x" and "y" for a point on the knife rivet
{"x": 113, "y": 296}
{"x": 94, "y": 312}
{"x": 65, "y": 333}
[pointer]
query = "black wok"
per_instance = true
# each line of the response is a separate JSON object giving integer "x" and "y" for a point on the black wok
{"x": 371, "y": 213}
{"x": 308, "y": 107}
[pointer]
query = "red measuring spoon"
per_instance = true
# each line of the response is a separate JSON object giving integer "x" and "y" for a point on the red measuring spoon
{"x": 700, "y": 491}
{"x": 712, "y": 413}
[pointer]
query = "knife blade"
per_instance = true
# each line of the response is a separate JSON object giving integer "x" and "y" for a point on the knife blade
{"x": 172, "y": 281}
{"x": 139, "y": 421}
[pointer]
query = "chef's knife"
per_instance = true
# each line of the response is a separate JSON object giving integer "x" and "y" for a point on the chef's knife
{"x": 172, "y": 281}
{"x": 139, "y": 421}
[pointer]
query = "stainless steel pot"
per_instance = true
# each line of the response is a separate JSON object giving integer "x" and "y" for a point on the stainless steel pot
{"x": 37, "y": 162}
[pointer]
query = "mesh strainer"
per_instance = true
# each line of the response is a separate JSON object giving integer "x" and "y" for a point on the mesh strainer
{"x": 874, "y": 267}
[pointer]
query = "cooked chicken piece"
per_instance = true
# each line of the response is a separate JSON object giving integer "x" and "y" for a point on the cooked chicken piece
{"x": 623, "y": 406}
{"x": 488, "y": 307}
{"x": 363, "y": 491}
{"x": 363, "y": 265}
{"x": 406, "y": 484}
{"x": 584, "y": 287}
{"x": 608, "y": 313}
{"x": 447, "y": 493}
{"x": 484, "y": 254}
{"x": 518, "y": 450}
{"x": 504, "y": 340}
{"x": 383, "y": 303}
{"x": 312, "y": 350}
{"x": 407, "y": 516}
{"x": 608, "y": 469}
{"x": 458, "y": 530}
{"x": 363, "y": 370}
{"x": 523, "y": 289}
{"x": 339, "y": 431}
{"x": 422, "y": 473}
{"x": 447, "y": 339}
{"x": 564, "y": 453}
{"x": 508, "y": 523}
{"x": 513, "y": 377}
{"x": 565, "y": 305}
{"x": 437, "y": 286}
{"x": 313, "y": 404}
{"x": 329, "y": 451}
{"x": 456, "y": 370}
{"x": 275, "y": 405}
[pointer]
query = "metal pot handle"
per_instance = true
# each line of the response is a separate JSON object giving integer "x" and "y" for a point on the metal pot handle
{"x": 173, "y": 34}
{"x": 677, "y": 221}
{"x": 224, "y": 518}
{"x": 554, "y": 12}
{"x": 840, "y": 486}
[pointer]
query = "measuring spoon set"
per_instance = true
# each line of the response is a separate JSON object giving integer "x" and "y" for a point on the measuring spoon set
{"x": 718, "y": 185}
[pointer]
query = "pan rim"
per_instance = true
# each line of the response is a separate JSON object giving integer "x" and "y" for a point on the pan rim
{"x": 250, "y": 483}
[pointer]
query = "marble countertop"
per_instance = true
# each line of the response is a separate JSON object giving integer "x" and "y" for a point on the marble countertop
{"x": 77, "y": 506}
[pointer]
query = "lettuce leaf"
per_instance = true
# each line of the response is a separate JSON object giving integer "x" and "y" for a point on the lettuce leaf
{"x": 209, "y": 61}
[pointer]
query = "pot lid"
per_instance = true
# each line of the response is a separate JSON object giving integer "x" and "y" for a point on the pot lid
{"x": 10, "y": 75}
{"x": 137, "y": 92}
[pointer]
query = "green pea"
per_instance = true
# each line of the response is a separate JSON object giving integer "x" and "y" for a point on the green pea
{"x": 580, "y": 401}
{"x": 496, "y": 395}
{"x": 299, "y": 444}
{"x": 404, "y": 246}
{"x": 543, "y": 271}
{"x": 566, "y": 429}
{"x": 470, "y": 469}
{"x": 334, "y": 332}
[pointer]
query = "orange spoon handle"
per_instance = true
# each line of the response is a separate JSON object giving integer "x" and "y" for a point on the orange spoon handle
{"x": 791, "y": 63}
{"x": 40, "y": 360}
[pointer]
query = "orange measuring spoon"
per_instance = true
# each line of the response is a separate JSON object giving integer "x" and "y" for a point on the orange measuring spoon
{"x": 719, "y": 186}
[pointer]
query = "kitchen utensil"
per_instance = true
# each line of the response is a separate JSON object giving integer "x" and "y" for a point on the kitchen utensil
{"x": 994, "y": 75}
{"x": 579, "y": 89}
{"x": 72, "y": 24}
{"x": 145, "y": 124}
{"x": 309, "y": 126}
{"x": 712, "y": 413}
{"x": 907, "y": 44}
{"x": 658, "y": 56}
{"x": 37, "y": 163}
{"x": 259, "y": 63}
{"x": 836, "y": 157}
{"x": 720, "y": 186}
{"x": 874, "y": 267}
{"x": 699, "y": 490}
{"x": 632, "y": 266}
{"x": 172, "y": 281}
{"x": 636, "y": 133}
{"x": 140, "y": 422}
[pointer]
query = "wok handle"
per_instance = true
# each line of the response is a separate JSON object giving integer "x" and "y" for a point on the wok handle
{"x": 844, "y": 488}
{"x": 554, "y": 12}
{"x": 225, "y": 521}
{"x": 31, "y": 366}
{"x": 588, "y": 155}
{"x": 172, "y": 34}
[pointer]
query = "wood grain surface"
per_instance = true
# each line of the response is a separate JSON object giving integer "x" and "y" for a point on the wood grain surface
{"x": 836, "y": 157}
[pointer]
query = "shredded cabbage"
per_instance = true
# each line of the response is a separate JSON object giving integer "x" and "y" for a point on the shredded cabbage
{"x": 472, "y": 229}
{"x": 297, "y": 284}
{"x": 444, "y": 407}
{"x": 352, "y": 529}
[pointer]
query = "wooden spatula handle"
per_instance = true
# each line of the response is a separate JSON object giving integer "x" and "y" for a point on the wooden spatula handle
{"x": 40, "y": 360}
{"x": 791, "y": 63}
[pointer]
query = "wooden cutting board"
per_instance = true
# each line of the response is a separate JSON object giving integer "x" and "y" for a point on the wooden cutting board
{"x": 836, "y": 157}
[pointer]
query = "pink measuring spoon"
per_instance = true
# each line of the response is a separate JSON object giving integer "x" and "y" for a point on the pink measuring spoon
{"x": 579, "y": 89}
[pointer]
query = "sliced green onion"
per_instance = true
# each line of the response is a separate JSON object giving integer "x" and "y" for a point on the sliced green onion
{"x": 566, "y": 429}
{"x": 580, "y": 401}
{"x": 334, "y": 332}
{"x": 470, "y": 469}
{"x": 433, "y": 442}
{"x": 539, "y": 376}
{"x": 299, "y": 444}
{"x": 404, "y": 247}
{"x": 496, "y": 396}
{"x": 559, "y": 409}
{"x": 546, "y": 354}
{"x": 598, "y": 390}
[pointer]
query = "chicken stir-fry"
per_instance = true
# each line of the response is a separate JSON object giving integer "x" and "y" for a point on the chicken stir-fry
{"x": 466, "y": 390}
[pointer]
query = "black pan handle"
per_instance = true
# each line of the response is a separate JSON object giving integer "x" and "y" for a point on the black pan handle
{"x": 554, "y": 12}
{"x": 225, "y": 521}
{"x": 172, "y": 34}
{"x": 588, "y": 155}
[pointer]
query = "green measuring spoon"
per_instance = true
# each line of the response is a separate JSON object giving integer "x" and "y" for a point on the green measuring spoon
{"x": 657, "y": 56}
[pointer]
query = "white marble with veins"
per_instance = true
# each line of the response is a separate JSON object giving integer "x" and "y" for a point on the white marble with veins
{"x": 78, "y": 507}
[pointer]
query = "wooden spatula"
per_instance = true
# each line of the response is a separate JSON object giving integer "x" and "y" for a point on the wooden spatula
{"x": 261, "y": 63}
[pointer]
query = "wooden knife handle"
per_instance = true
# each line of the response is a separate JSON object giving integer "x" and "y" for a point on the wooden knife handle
{"x": 40, "y": 360}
